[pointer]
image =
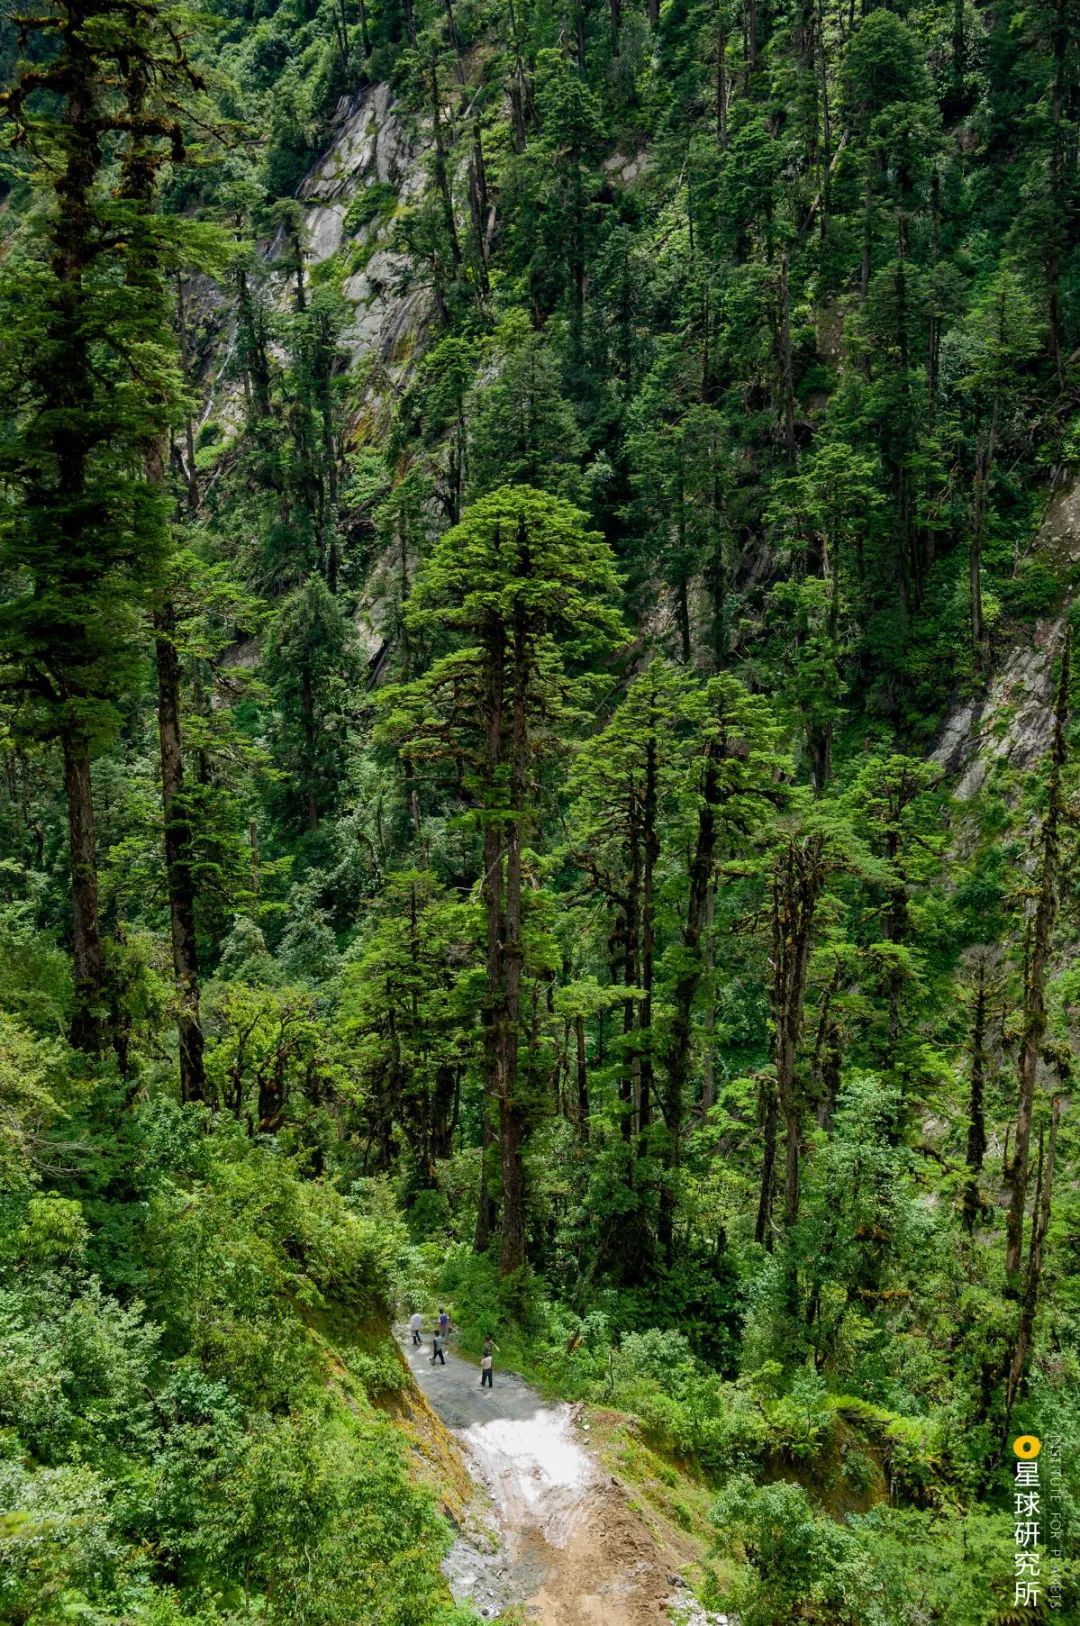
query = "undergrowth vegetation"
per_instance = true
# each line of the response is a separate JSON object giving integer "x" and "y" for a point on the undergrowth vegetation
{"x": 191, "y": 1355}
{"x": 538, "y": 765}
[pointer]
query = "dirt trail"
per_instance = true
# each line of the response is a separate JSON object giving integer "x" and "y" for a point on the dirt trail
{"x": 562, "y": 1538}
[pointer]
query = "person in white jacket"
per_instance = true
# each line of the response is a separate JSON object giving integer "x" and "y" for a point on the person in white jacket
{"x": 416, "y": 1321}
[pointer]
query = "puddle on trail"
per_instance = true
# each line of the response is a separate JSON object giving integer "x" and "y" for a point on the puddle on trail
{"x": 552, "y": 1531}
{"x": 538, "y": 1478}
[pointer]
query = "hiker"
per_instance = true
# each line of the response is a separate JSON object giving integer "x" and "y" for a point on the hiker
{"x": 444, "y": 1321}
{"x": 437, "y": 1348}
{"x": 487, "y": 1365}
{"x": 416, "y": 1321}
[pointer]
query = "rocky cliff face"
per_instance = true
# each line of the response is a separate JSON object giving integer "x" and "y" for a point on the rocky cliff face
{"x": 376, "y": 150}
{"x": 372, "y": 147}
{"x": 1010, "y": 724}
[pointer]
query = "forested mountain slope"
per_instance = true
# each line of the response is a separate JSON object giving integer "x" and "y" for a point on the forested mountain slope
{"x": 536, "y": 700}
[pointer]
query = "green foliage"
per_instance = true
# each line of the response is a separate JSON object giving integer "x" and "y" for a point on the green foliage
{"x": 310, "y": 666}
{"x": 373, "y": 203}
{"x": 565, "y": 612}
{"x": 800, "y": 1564}
{"x": 202, "y": 1426}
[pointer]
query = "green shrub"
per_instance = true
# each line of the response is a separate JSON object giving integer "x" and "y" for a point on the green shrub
{"x": 377, "y": 201}
{"x": 1034, "y": 590}
{"x": 198, "y": 1459}
{"x": 799, "y": 1565}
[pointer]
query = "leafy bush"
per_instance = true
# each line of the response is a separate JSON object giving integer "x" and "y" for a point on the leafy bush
{"x": 1033, "y": 591}
{"x": 800, "y": 1566}
{"x": 175, "y": 1461}
{"x": 375, "y": 201}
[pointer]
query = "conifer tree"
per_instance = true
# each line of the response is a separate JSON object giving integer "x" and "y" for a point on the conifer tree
{"x": 92, "y": 379}
{"x": 527, "y": 594}
{"x": 626, "y": 785}
{"x": 730, "y": 791}
{"x": 311, "y": 666}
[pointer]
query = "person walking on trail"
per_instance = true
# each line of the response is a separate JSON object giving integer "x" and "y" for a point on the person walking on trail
{"x": 416, "y": 1321}
{"x": 444, "y": 1321}
{"x": 437, "y": 1348}
{"x": 487, "y": 1365}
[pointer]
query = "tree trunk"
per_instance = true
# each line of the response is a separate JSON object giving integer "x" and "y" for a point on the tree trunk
{"x": 651, "y": 845}
{"x": 792, "y": 1136}
{"x": 487, "y": 1212}
{"x": 491, "y": 891}
{"x": 478, "y": 207}
{"x": 787, "y": 367}
{"x": 708, "y": 1060}
{"x": 452, "y": 36}
{"x": 1034, "y": 1013}
{"x": 1062, "y": 161}
{"x": 763, "y": 1231}
{"x": 1040, "y": 1224}
{"x": 365, "y": 36}
{"x": 192, "y": 479}
{"x": 89, "y": 968}
{"x": 271, "y": 1105}
{"x": 577, "y": 256}
{"x": 896, "y": 930}
{"x": 511, "y": 1118}
{"x": 819, "y": 745}
{"x": 631, "y": 1082}
{"x": 307, "y": 707}
{"x": 978, "y": 527}
{"x": 682, "y": 615}
{"x": 139, "y": 176}
{"x": 517, "y": 112}
{"x": 442, "y": 178}
{"x": 255, "y": 359}
{"x": 330, "y": 457}
{"x": 868, "y": 228}
{"x": 440, "y": 1134}
{"x": 976, "y": 1138}
{"x": 721, "y": 82}
{"x": 678, "y": 1066}
{"x": 68, "y": 398}
{"x": 178, "y": 871}
{"x": 798, "y": 879}
{"x": 582, "y": 1079}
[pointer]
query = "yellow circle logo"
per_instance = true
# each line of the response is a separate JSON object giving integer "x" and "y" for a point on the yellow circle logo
{"x": 1027, "y": 1446}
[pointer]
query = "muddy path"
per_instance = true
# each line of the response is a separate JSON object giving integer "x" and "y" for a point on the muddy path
{"x": 557, "y": 1534}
